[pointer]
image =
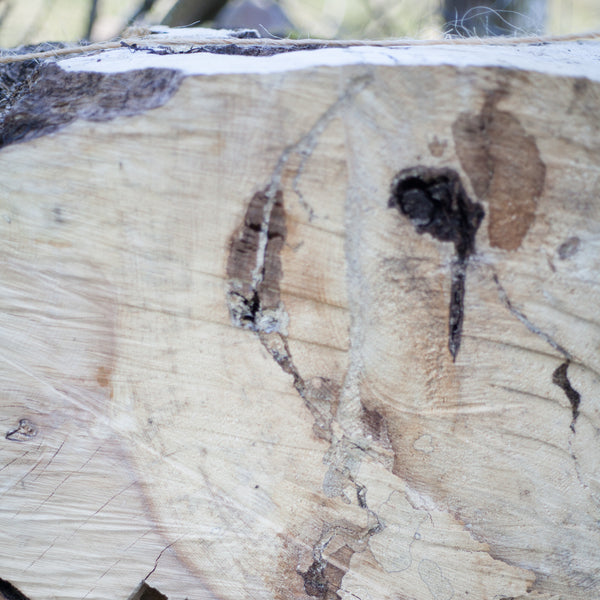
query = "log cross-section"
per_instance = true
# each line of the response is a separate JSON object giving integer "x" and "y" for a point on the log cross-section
{"x": 281, "y": 321}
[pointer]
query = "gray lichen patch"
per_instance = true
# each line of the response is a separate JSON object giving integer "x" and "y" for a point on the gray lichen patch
{"x": 38, "y": 99}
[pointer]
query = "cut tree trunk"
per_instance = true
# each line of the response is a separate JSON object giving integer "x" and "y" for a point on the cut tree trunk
{"x": 317, "y": 324}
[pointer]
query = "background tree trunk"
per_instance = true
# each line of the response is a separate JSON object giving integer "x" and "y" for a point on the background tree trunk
{"x": 494, "y": 17}
{"x": 310, "y": 325}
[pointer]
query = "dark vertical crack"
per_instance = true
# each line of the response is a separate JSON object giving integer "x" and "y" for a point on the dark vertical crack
{"x": 436, "y": 203}
{"x": 560, "y": 378}
{"x": 457, "y": 301}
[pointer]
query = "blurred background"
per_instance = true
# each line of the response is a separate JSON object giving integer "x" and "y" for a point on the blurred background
{"x": 33, "y": 21}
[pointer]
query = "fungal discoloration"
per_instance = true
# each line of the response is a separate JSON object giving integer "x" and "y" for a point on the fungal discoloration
{"x": 436, "y": 203}
{"x": 505, "y": 168}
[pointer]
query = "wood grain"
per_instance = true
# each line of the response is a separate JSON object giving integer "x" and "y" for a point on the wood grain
{"x": 225, "y": 367}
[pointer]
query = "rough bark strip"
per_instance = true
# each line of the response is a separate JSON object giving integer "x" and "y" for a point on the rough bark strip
{"x": 229, "y": 49}
{"x": 45, "y": 98}
{"x": 561, "y": 379}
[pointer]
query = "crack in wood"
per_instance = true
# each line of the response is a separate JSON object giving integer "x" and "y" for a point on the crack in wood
{"x": 257, "y": 244}
{"x": 361, "y": 497}
{"x": 561, "y": 379}
{"x": 531, "y": 326}
{"x": 143, "y": 592}
{"x": 559, "y": 376}
{"x": 42, "y": 98}
{"x": 254, "y": 264}
{"x": 254, "y": 270}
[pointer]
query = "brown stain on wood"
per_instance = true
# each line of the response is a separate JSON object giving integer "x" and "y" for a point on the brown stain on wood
{"x": 103, "y": 376}
{"x": 437, "y": 147}
{"x": 323, "y": 579}
{"x": 505, "y": 168}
